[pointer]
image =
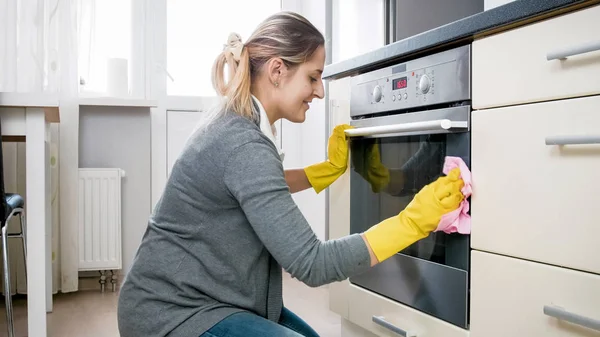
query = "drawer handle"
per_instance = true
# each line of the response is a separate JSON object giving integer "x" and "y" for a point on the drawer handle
{"x": 570, "y": 317}
{"x": 381, "y": 321}
{"x": 572, "y": 140}
{"x": 581, "y": 49}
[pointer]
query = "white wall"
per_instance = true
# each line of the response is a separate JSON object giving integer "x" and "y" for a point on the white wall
{"x": 120, "y": 137}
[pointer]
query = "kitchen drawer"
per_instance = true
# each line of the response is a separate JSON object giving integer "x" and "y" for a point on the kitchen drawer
{"x": 536, "y": 201}
{"x": 364, "y": 305}
{"x": 511, "y": 67}
{"x": 508, "y": 297}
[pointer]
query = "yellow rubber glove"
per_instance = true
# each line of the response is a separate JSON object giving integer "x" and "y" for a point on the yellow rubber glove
{"x": 323, "y": 174}
{"x": 418, "y": 219}
{"x": 372, "y": 170}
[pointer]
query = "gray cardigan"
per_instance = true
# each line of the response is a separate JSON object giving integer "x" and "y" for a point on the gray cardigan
{"x": 216, "y": 242}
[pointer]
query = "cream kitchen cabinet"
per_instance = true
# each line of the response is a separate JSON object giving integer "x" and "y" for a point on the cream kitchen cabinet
{"x": 533, "y": 199}
{"x": 514, "y": 297}
{"x": 535, "y": 267}
{"x": 524, "y": 66}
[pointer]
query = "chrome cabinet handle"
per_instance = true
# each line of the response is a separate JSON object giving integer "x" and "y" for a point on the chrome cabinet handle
{"x": 572, "y": 140}
{"x": 381, "y": 321}
{"x": 570, "y": 317}
{"x": 436, "y": 125}
{"x": 581, "y": 49}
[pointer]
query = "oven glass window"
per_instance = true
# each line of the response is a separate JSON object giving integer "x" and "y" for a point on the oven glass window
{"x": 388, "y": 172}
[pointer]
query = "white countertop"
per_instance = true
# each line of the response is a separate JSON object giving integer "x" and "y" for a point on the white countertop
{"x": 51, "y": 100}
{"x": 33, "y": 100}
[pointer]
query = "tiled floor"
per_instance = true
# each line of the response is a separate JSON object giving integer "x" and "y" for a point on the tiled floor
{"x": 93, "y": 314}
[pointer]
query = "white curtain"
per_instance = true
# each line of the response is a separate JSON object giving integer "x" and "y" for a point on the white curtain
{"x": 31, "y": 32}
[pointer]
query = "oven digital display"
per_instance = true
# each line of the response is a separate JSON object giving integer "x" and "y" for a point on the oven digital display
{"x": 400, "y": 83}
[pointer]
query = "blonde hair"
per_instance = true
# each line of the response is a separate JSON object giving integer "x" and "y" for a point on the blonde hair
{"x": 286, "y": 35}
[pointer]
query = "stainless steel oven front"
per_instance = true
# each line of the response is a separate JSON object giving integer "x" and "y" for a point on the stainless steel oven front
{"x": 408, "y": 118}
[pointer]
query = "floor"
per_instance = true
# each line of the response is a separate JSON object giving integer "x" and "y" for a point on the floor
{"x": 91, "y": 313}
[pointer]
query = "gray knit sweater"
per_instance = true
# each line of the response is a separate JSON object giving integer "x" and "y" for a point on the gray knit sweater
{"x": 216, "y": 242}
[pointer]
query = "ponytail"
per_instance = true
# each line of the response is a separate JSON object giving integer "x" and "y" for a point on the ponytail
{"x": 237, "y": 89}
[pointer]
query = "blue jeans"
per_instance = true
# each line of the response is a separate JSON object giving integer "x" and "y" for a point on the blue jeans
{"x": 246, "y": 324}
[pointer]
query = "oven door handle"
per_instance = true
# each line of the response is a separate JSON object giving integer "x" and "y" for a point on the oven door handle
{"x": 427, "y": 126}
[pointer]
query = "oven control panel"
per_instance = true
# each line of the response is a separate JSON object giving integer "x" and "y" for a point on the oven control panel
{"x": 398, "y": 88}
{"x": 435, "y": 79}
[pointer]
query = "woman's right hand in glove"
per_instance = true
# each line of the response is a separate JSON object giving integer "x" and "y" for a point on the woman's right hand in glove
{"x": 418, "y": 219}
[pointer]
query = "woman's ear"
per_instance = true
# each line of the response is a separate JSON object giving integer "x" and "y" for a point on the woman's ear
{"x": 276, "y": 70}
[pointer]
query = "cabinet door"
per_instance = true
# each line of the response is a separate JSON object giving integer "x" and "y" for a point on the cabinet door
{"x": 339, "y": 192}
{"x": 534, "y": 200}
{"x": 512, "y": 297}
{"x": 513, "y": 67}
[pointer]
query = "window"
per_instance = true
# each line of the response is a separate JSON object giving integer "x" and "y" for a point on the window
{"x": 196, "y": 33}
{"x": 105, "y": 38}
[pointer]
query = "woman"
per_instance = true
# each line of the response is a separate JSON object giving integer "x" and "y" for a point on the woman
{"x": 210, "y": 262}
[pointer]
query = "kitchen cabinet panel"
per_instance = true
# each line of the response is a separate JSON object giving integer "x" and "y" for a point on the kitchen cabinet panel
{"x": 508, "y": 297}
{"x": 512, "y": 67}
{"x": 534, "y": 200}
{"x": 364, "y": 306}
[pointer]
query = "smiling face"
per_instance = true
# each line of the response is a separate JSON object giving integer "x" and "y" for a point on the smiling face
{"x": 298, "y": 86}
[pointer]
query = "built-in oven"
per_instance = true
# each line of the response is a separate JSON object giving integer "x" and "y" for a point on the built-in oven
{"x": 408, "y": 118}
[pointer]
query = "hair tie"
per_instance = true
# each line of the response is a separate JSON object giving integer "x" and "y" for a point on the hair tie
{"x": 234, "y": 46}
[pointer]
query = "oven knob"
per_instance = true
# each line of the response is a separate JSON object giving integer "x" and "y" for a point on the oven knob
{"x": 424, "y": 84}
{"x": 377, "y": 93}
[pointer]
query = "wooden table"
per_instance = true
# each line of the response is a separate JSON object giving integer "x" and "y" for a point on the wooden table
{"x": 26, "y": 118}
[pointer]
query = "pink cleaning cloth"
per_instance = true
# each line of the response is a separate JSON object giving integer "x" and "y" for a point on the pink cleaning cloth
{"x": 458, "y": 220}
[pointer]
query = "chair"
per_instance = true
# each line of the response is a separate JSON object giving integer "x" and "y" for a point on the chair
{"x": 10, "y": 205}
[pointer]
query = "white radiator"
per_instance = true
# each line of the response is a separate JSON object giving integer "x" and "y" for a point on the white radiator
{"x": 100, "y": 219}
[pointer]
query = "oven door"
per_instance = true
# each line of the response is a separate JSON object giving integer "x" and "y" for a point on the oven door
{"x": 392, "y": 158}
